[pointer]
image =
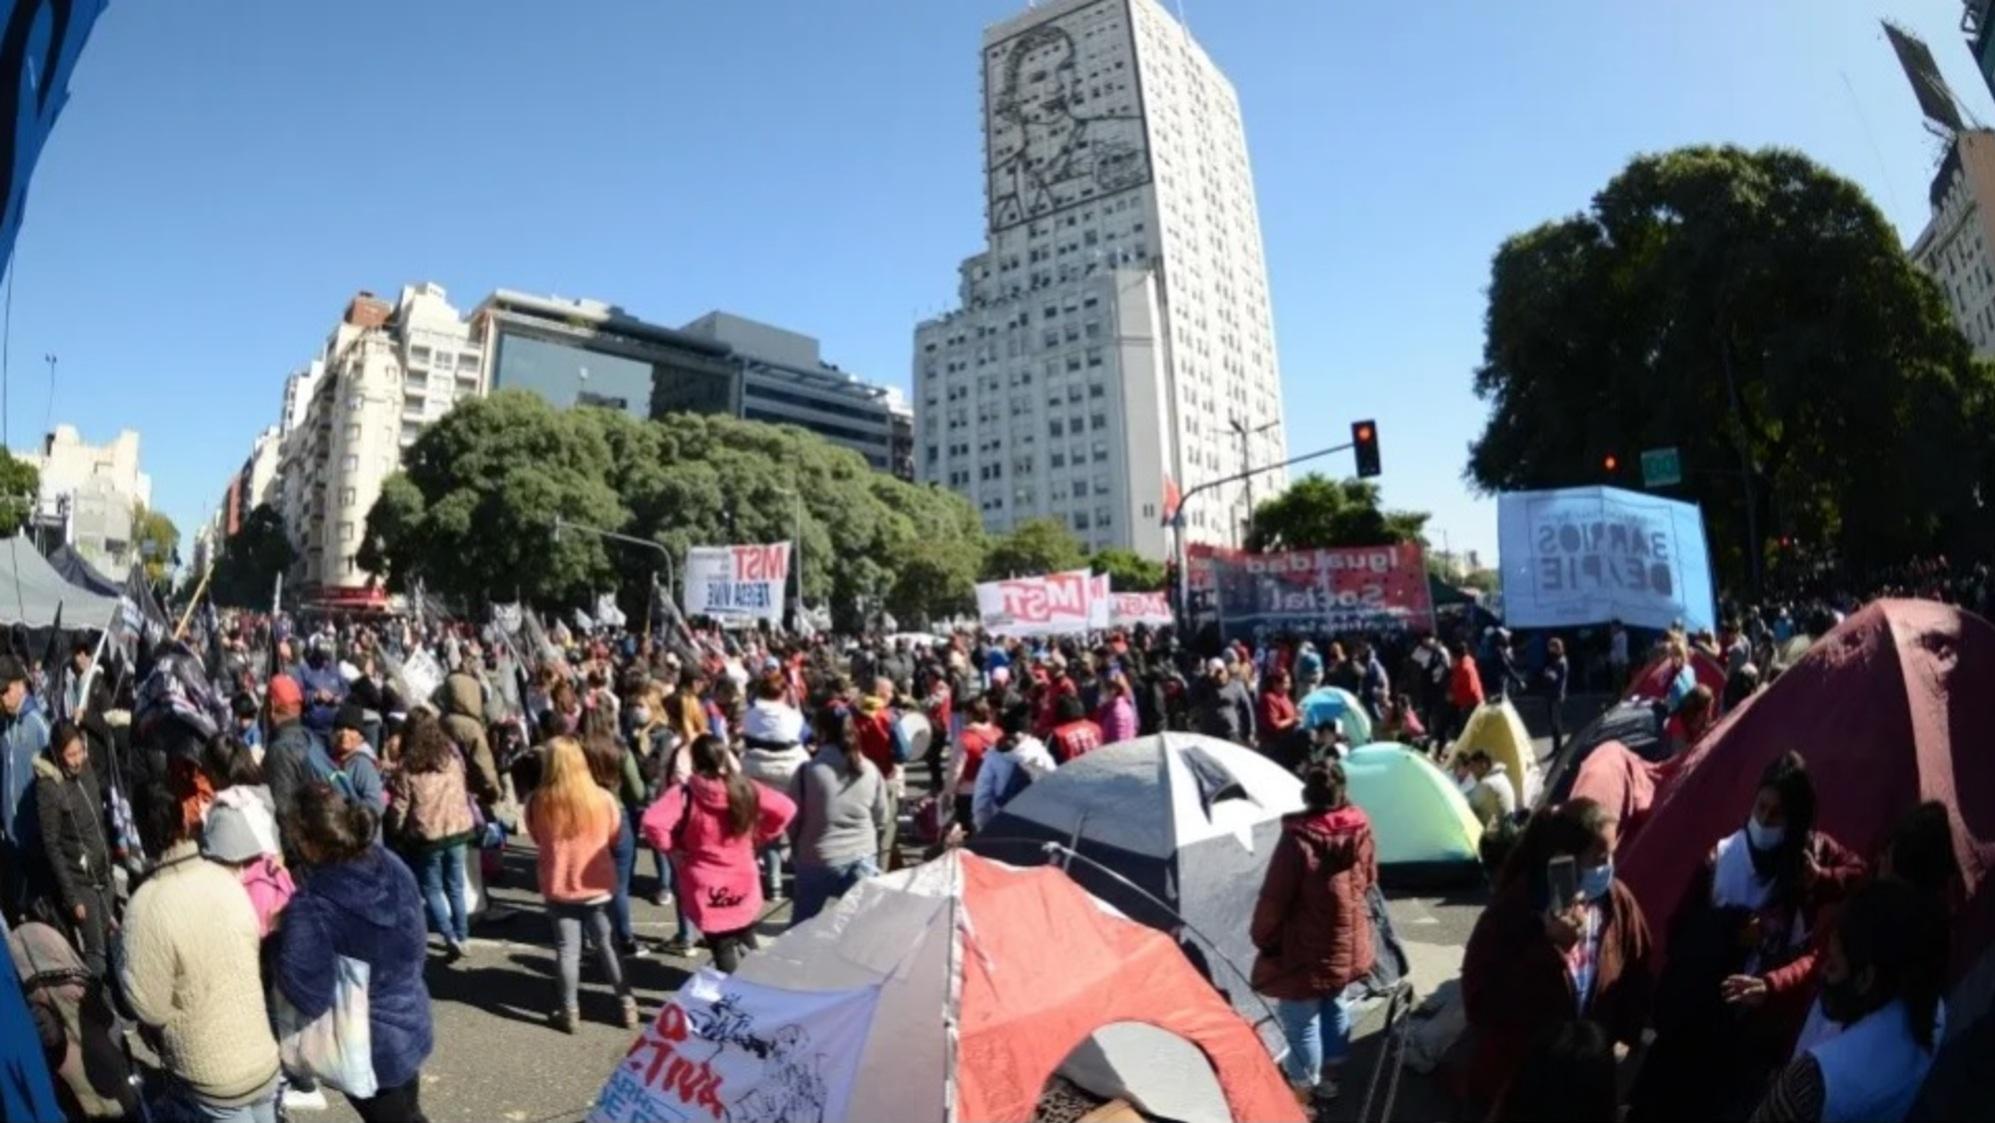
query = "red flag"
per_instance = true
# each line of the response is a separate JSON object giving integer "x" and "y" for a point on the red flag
{"x": 1172, "y": 497}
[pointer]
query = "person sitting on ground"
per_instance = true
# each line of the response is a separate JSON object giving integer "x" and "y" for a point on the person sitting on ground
{"x": 1312, "y": 928}
{"x": 1882, "y": 979}
{"x": 1535, "y": 960}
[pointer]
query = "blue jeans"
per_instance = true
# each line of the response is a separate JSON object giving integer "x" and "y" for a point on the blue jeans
{"x": 685, "y": 933}
{"x": 1318, "y": 1032}
{"x": 441, "y": 873}
{"x": 180, "y": 1102}
{"x": 625, "y": 856}
{"x": 818, "y": 886}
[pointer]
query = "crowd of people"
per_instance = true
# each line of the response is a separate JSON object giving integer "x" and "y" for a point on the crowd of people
{"x": 222, "y": 851}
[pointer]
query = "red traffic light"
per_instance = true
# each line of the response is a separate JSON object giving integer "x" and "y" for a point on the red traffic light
{"x": 1610, "y": 462}
{"x": 1364, "y": 446}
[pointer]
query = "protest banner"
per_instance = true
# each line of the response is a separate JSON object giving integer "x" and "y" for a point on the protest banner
{"x": 737, "y": 582}
{"x": 1100, "y": 607}
{"x": 1052, "y": 604}
{"x": 1590, "y": 555}
{"x": 1344, "y": 589}
{"x": 723, "y": 1048}
{"x": 1127, "y": 610}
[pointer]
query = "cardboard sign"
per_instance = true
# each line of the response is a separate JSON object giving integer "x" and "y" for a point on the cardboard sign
{"x": 724, "y": 1049}
{"x": 735, "y": 582}
{"x": 1589, "y": 555}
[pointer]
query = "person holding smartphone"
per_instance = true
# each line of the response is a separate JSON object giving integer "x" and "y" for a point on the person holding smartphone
{"x": 1562, "y": 940}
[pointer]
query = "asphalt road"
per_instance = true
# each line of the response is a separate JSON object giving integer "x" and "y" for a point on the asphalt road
{"x": 497, "y": 1059}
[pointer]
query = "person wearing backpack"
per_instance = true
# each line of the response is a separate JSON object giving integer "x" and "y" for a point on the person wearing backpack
{"x": 1011, "y": 766}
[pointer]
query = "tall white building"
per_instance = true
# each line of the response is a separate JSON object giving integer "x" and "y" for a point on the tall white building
{"x": 1958, "y": 244}
{"x": 1115, "y": 339}
{"x": 385, "y": 372}
{"x": 88, "y": 492}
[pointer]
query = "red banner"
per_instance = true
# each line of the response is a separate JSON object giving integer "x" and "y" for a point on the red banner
{"x": 1347, "y": 589}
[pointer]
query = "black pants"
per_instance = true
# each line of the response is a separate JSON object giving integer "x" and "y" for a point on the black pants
{"x": 729, "y": 947}
{"x": 393, "y": 1105}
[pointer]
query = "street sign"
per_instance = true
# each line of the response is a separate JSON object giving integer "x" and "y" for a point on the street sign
{"x": 1661, "y": 467}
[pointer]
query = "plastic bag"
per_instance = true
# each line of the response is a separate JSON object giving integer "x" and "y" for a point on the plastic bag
{"x": 336, "y": 1048}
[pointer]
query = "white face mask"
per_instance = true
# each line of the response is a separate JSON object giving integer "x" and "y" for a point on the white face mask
{"x": 1764, "y": 837}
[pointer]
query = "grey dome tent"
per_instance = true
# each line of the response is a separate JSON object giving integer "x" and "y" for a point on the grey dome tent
{"x": 1190, "y": 822}
{"x": 77, "y": 570}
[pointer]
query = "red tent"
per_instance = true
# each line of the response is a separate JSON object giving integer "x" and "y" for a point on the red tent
{"x": 1894, "y": 707}
{"x": 1651, "y": 683}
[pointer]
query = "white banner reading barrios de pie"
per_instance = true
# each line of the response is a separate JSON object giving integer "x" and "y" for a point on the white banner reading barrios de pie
{"x": 724, "y": 1049}
{"x": 732, "y": 582}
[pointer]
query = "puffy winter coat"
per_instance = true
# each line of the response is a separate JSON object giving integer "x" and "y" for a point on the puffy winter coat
{"x": 367, "y": 909}
{"x": 72, "y": 822}
{"x": 1312, "y": 926}
{"x": 464, "y": 720}
{"x": 719, "y": 882}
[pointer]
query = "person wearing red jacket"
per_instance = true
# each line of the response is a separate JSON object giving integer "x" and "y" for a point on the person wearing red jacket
{"x": 874, "y": 719}
{"x": 1075, "y": 736}
{"x": 1464, "y": 691}
{"x": 1313, "y": 930}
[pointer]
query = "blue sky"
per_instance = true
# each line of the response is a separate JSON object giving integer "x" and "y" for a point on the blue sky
{"x": 227, "y": 174}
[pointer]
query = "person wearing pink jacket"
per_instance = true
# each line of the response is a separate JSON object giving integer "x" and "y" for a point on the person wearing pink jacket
{"x": 712, "y": 825}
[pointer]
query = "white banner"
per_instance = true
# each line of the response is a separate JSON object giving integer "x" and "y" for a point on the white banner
{"x": 607, "y": 612}
{"x": 737, "y": 581}
{"x": 1130, "y": 609}
{"x": 1588, "y": 555}
{"x": 1050, "y": 605}
{"x": 1098, "y": 602}
{"x": 728, "y": 1049}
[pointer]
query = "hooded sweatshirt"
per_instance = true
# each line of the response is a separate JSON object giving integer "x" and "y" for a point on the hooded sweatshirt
{"x": 1312, "y": 923}
{"x": 366, "y": 909}
{"x": 464, "y": 720}
{"x": 718, "y": 880}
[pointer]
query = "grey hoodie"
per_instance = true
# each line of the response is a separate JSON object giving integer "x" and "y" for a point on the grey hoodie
{"x": 838, "y": 819}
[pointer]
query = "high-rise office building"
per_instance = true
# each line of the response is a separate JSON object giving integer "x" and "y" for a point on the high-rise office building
{"x": 1958, "y": 244}
{"x": 1115, "y": 341}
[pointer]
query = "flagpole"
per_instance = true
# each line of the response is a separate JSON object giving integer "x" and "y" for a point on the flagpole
{"x": 187, "y": 616}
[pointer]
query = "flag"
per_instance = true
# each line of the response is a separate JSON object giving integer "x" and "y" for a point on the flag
{"x": 53, "y": 666}
{"x": 1172, "y": 499}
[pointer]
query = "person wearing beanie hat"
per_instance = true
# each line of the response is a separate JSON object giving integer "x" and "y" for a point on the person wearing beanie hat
{"x": 352, "y": 759}
{"x": 287, "y": 756}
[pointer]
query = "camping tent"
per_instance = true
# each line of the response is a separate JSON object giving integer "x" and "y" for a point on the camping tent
{"x": 957, "y": 988}
{"x": 1422, "y": 823}
{"x": 1497, "y": 729}
{"x": 31, "y": 590}
{"x": 1189, "y": 820}
{"x": 1890, "y": 708}
{"x": 76, "y": 570}
{"x": 1633, "y": 724}
{"x": 1327, "y": 702}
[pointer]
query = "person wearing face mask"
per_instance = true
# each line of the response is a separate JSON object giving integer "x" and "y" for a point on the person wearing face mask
{"x": 1535, "y": 960}
{"x": 323, "y": 687}
{"x": 1882, "y": 978}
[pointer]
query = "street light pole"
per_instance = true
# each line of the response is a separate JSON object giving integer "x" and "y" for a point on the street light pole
{"x": 1246, "y": 456}
{"x": 1178, "y": 516}
{"x": 561, "y": 525}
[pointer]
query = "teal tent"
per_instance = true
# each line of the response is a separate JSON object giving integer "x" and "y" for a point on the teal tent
{"x": 1327, "y": 702}
{"x": 1423, "y": 827}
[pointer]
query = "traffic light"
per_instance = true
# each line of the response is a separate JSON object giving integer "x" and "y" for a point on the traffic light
{"x": 1610, "y": 462}
{"x": 1364, "y": 445}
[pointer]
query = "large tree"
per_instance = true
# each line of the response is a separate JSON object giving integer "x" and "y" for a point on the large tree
{"x": 19, "y": 484}
{"x": 1033, "y": 547}
{"x": 157, "y": 540}
{"x": 1317, "y": 511}
{"x": 250, "y": 560}
{"x": 1128, "y": 571}
{"x": 1754, "y": 311}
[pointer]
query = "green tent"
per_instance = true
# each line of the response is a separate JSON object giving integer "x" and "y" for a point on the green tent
{"x": 1326, "y": 702}
{"x": 1422, "y": 824}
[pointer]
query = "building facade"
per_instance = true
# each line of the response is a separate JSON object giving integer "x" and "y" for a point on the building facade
{"x": 1115, "y": 339}
{"x": 88, "y": 494}
{"x": 1955, "y": 247}
{"x": 1977, "y": 24}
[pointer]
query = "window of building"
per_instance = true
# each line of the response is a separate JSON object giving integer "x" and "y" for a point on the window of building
{"x": 351, "y": 464}
{"x": 352, "y": 431}
{"x": 1094, "y": 356}
{"x": 346, "y": 532}
{"x": 346, "y": 496}
{"x": 1056, "y": 460}
{"x": 1080, "y": 489}
{"x": 1080, "y": 520}
{"x": 1099, "y": 421}
{"x": 1096, "y": 389}
{"x": 1054, "y": 428}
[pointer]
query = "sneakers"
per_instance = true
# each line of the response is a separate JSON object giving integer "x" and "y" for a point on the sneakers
{"x": 630, "y": 1016}
{"x": 631, "y": 949}
{"x": 681, "y": 949}
{"x": 295, "y": 1100}
{"x": 660, "y": 899}
{"x": 452, "y": 952}
{"x": 565, "y": 1019}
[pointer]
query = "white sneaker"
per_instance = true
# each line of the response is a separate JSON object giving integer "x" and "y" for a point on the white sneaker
{"x": 314, "y": 1100}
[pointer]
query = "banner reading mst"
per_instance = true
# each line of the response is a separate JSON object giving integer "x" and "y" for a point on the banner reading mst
{"x": 737, "y": 581}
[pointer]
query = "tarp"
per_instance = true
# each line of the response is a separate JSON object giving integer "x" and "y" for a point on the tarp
{"x": 30, "y": 591}
{"x": 1335, "y": 703}
{"x": 1497, "y": 729}
{"x": 1889, "y": 709}
{"x": 1422, "y": 822}
{"x": 987, "y": 980}
{"x": 79, "y": 572}
{"x": 1189, "y": 820}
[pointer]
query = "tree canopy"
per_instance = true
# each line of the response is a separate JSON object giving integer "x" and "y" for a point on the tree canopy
{"x": 157, "y": 540}
{"x": 19, "y": 484}
{"x": 1317, "y": 511}
{"x": 250, "y": 560}
{"x": 1033, "y": 546}
{"x": 472, "y": 513}
{"x": 1128, "y": 571}
{"x": 1754, "y": 311}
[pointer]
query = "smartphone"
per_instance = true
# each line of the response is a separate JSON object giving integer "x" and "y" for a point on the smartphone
{"x": 1562, "y": 874}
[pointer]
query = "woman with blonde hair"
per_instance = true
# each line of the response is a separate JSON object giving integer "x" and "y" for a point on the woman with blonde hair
{"x": 575, "y": 824}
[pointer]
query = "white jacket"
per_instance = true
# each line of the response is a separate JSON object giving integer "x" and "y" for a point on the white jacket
{"x": 994, "y": 776}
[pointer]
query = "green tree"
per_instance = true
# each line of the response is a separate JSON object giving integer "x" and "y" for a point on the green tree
{"x": 19, "y": 484}
{"x": 1128, "y": 571}
{"x": 250, "y": 560}
{"x": 1033, "y": 547}
{"x": 156, "y": 539}
{"x": 1317, "y": 511}
{"x": 1755, "y": 311}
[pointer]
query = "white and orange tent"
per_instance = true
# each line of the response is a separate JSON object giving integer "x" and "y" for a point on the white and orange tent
{"x": 951, "y": 991}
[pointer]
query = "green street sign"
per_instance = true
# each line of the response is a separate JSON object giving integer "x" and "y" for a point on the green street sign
{"x": 1661, "y": 467}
